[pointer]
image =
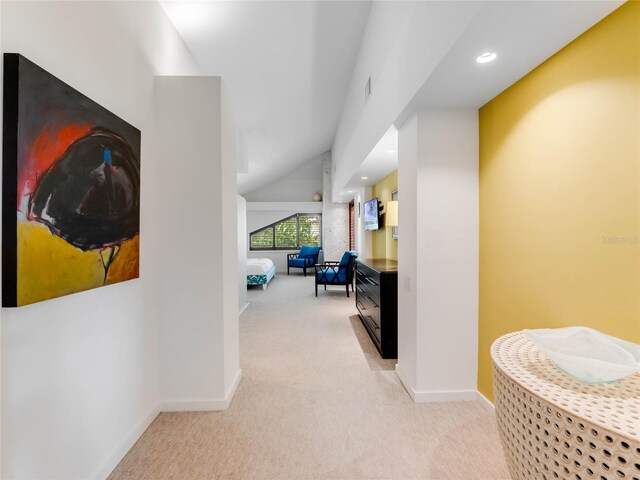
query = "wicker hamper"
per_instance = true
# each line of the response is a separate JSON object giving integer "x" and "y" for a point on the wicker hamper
{"x": 553, "y": 426}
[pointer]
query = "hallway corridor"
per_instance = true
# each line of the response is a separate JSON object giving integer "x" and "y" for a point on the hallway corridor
{"x": 316, "y": 401}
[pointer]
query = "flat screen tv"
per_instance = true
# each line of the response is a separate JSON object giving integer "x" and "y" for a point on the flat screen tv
{"x": 371, "y": 217}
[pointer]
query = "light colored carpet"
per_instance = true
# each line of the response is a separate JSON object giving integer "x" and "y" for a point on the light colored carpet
{"x": 316, "y": 401}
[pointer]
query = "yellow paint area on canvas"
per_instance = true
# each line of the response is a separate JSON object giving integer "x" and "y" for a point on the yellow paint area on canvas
{"x": 50, "y": 267}
{"x": 125, "y": 266}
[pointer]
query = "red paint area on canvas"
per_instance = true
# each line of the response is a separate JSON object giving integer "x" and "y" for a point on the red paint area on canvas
{"x": 47, "y": 147}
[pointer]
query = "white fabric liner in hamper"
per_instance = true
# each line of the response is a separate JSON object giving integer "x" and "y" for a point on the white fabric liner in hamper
{"x": 587, "y": 354}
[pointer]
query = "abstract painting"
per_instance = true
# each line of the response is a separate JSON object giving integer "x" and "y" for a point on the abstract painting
{"x": 71, "y": 189}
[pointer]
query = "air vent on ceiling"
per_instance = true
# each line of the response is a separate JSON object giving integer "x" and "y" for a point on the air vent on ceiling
{"x": 367, "y": 90}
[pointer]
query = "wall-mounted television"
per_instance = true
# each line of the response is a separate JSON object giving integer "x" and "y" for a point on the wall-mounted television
{"x": 371, "y": 215}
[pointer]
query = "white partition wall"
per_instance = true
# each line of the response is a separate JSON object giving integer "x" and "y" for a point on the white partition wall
{"x": 407, "y": 253}
{"x": 438, "y": 255}
{"x": 363, "y": 238}
{"x": 198, "y": 295}
{"x": 229, "y": 230}
{"x": 242, "y": 253}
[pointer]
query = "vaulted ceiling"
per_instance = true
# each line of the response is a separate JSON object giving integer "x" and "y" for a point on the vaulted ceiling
{"x": 286, "y": 66}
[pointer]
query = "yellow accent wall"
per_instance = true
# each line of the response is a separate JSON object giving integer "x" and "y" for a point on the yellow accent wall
{"x": 560, "y": 192}
{"x": 383, "y": 244}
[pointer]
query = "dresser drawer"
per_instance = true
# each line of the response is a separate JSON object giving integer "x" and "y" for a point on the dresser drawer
{"x": 362, "y": 301}
{"x": 372, "y": 284}
{"x": 369, "y": 311}
{"x": 374, "y": 331}
{"x": 371, "y": 321}
{"x": 369, "y": 273}
{"x": 367, "y": 290}
{"x": 377, "y": 304}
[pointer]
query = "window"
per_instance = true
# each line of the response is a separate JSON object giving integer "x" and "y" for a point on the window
{"x": 289, "y": 233}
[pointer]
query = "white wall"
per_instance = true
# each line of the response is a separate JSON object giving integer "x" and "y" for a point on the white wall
{"x": 242, "y": 252}
{"x": 261, "y": 214}
{"x": 297, "y": 186}
{"x": 408, "y": 252}
{"x": 197, "y": 295}
{"x": 363, "y": 238}
{"x": 80, "y": 373}
{"x": 335, "y": 217}
{"x": 402, "y": 44}
{"x": 438, "y": 255}
{"x": 228, "y": 229}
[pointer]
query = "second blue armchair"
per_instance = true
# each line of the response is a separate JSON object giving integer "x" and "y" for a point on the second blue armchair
{"x": 306, "y": 258}
{"x": 337, "y": 273}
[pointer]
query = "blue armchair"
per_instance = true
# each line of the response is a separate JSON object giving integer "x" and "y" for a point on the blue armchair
{"x": 337, "y": 273}
{"x": 306, "y": 258}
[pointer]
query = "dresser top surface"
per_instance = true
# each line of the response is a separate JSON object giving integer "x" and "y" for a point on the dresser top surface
{"x": 380, "y": 264}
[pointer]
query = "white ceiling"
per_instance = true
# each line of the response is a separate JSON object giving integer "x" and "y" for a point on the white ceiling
{"x": 523, "y": 34}
{"x": 380, "y": 162}
{"x": 286, "y": 65}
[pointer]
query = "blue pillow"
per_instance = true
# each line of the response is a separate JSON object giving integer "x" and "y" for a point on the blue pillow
{"x": 307, "y": 251}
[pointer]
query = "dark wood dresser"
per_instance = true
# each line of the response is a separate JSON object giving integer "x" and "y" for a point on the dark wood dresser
{"x": 377, "y": 302}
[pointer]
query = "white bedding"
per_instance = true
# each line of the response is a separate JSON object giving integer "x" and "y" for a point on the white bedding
{"x": 258, "y": 266}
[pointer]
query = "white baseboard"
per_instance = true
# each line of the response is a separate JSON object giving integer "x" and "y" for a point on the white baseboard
{"x": 232, "y": 388}
{"x": 486, "y": 403}
{"x": 193, "y": 405}
{"x": 203, "y": 405}
{"x": 436, "y": 396}
{"x": 446, "y": 396}
{"x": 243, "y": 308}
{"x": 118, "y": 454}
{"x": 405, "y": 383}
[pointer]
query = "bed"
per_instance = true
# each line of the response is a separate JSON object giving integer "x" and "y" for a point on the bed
{"x": 260, "y": 271}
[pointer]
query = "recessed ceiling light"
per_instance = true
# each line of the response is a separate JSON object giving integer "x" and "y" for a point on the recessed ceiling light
{"x": 364, "y": 178}
{"x": 391, "y": 151}
{"x": 350, "y": 191}
{"x": 486, "y": 57}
